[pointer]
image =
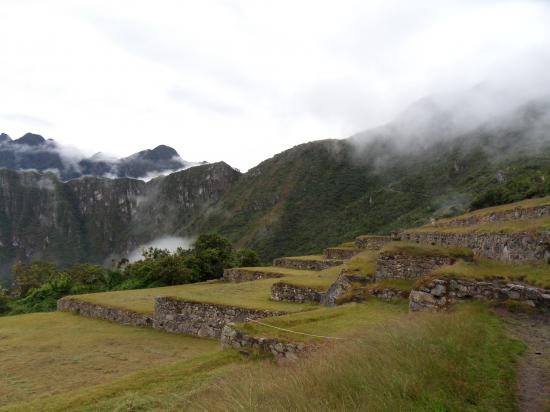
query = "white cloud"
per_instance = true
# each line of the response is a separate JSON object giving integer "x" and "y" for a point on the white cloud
{"x": 242, "y": 80}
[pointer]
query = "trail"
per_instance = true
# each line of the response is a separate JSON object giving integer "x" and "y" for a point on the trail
{"x": 534, "y": 367}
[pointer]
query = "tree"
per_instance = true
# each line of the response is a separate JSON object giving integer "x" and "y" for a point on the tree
{"x": 33, "y": 275}
{"x": 246, "y": 258}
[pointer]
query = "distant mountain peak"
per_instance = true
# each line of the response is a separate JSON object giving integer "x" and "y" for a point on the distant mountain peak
{"x": 161, "y": 152}
{"x": 4, "y": 138}
{"x": 31, "y": 139}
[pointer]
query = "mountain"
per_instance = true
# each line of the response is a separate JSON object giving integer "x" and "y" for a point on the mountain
{"x": 301, "y": 200}
{"x": 33, "y": 152}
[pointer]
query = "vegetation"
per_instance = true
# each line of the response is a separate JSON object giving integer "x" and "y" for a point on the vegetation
{"x": 512, "y": 226}
{"x": 254, "y": 295}
{"x": 537, "y": 274}
{"x": 40, "y": 284}
{"x": 462, "y": 360}
{"x": 417, "y": 249}
{"x": 364, "y": 263}
{"x": 44, "y": 354}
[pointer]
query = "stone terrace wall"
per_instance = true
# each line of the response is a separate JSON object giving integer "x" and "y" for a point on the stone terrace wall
{"x": 440, "y": 293}
{"x": 92, "y": 310}
{"x": 340, "y": 253}
{"x": 281, "y": 291}
{"x": 232, "y": 338}
{"x": 500, "y": 246}
{"x": 400, "y": 266}
{"x": 201, "y": 319}
{"x": 500, "y": 216}
{"x": 307, "y": 264}
{"x": 372, "y": 242}
{"x": 242, "y": 275}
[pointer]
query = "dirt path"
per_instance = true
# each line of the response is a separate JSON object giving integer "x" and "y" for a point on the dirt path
{"x": 534, "y": 368}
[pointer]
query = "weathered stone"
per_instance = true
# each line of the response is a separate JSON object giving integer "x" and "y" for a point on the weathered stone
{"x": 245, "y": 275}
{"x": 391, "y": 265}
{"x": 340, "y": 253}
{"x": 282, "y": 291}
{"x": 371, "y": 242}
{"x": 307, "y": 264}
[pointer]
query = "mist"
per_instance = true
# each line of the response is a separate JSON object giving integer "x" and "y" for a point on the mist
{"x": 170, "y": 243}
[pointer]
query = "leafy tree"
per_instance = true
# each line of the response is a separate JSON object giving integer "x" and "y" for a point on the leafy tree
{"x": 33, "y": 275}
{"x": 246, "y": 258}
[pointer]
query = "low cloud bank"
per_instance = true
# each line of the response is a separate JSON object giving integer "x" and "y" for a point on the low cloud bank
{"x": 170, "y": 243}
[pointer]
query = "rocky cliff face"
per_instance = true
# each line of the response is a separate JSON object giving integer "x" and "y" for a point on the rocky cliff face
{"x": 90, "y": 218}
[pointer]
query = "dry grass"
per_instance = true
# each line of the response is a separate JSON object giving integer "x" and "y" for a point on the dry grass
{"x": 537, "y": 274}
{"x": 423, "y": 362}
{"x": 44, "y": 354}
{"x": 309, "y": 257}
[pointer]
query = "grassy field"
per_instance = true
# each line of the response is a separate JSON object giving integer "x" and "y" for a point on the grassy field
{"x": 364, "y": 263}
{"x": 308, "y": 257}
{"x": 340, "y": 321}
{"x": 537, "y": 274}
{"x": 45, "y": 354}
{"x": 458, "y": 361}
{"x": 417, "y": 249}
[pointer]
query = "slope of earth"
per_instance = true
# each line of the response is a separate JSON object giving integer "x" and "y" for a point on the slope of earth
{"x": 324, "y": 192}
{"x": 54, "y": 353}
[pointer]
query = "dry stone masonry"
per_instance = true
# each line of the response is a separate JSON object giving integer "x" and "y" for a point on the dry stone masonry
{"x": 340, "y": 253}
{"x": 498, "y": 216}
{"x": 282, "y": 291}
{"x": 233, "y": 338}
{"x": 371, "y": 242}
{"x": 438, "y": 294}
{"x": 244, "y": 275}
{"x": 307, "y": 264}
{"x": 392, "y": 265}
{"x": 519, "y": 247}
{"x": 201, "y": 319}
{"x": 92, "y": 310}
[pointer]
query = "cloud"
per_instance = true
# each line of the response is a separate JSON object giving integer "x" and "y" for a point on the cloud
{"x": 212, "y": 77}
{"x": 26, "y": 120}
{"x": 171, "y": 243}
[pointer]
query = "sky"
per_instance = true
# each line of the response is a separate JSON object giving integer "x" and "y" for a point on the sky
{"x": 242, "y": 80}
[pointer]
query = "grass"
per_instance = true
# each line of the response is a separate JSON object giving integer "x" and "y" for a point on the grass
{"x": 166, "y": 387}
{"x": 417, "y": 249}
{"x": 538, "y": 225}
{"x": 401, "y": 284}
{"x": 524, "y": 204}
{"x": 45, "y": 354}
{"x": 537, "y": 274}
{"x": 309, "y": 257}
{"x": 338, "y": 321}
{"x": 458, "y": 361}
{"x": 253, "y": 295}
{"x": 364, "y": 263}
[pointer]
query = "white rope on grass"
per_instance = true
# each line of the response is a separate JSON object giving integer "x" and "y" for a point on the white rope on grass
{"x": 292, "y": 331}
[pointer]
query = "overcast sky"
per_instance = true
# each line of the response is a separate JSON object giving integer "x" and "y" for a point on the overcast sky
{"x": 243, "y": 80}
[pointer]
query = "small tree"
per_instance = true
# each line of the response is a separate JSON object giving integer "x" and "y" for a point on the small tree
{"x": 246, "y": 258}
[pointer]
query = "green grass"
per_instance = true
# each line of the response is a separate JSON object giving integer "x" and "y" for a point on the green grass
{"x": 510, "y": 226}
{"x": 308, "y": 257}
{"x": 364, "y": 263}
{"x": 402, "y": 284}
{"x": 524, "y": 204}
{"x": 482, "y": 269}
{"x": 417, "y": 249}
{"x": 458, "y": 361}
{"x": 338, "y": 321}
{"x": 253, "y": 295}
{"x": 45, "y": 354}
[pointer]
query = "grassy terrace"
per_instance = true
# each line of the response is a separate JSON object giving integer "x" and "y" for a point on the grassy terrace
{"x": 537, "y": 274}
{"x": 416, "y": 249}
{"x": 45, "y": 354}
{"x": 524, "y": 204}
{"x": 338, "y": 321}
{"x": 310, "y": 257}
{"x": 511, "y": 226}
{"x": 364, "y": 263}
{"x": 254, "y": 295}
